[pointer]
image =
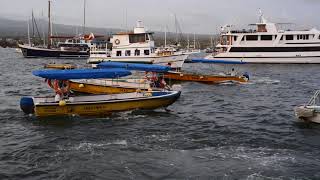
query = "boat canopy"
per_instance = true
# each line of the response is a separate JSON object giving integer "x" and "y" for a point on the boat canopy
{"x": 217, "y": 61}
{"x": 81, "y": 73}
{"x": 134, "y": 66}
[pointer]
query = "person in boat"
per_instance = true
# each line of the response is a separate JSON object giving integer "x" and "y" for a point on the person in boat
{"x": 233, "y": 72}
{"x": 61, "y": 88}
{"x": 160, "y": 83}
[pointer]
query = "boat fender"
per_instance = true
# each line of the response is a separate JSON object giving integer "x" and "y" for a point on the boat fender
{"x": 27, "y": 105}
{"x": 81, "y": 85}
{"x": 62, "y": 103}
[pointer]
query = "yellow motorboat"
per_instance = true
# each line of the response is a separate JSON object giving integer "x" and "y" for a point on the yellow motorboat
{"x": 59, "y": 66}
{"x": 108, "y": 86}
{"x": 97, "y": 105}
{"x": 65, "y": 104}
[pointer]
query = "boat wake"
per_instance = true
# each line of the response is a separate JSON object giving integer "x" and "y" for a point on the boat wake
{"x": 264, "y": 80}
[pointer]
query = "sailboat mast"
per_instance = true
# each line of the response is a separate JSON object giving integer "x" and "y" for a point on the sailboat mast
{"x": 84, "y": 17}
{"x": 49, "y": 25}
{"x": 188, "y": 42}
{"x": 165, "y": 37}
{"x": 194, "y": 40}
{"x": 29, "y": 33}
{"x": 176, "y": 26}
{"x": 32, "y": 19}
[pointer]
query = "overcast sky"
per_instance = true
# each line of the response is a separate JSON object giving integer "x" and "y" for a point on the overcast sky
{"x": 200, "y": 16}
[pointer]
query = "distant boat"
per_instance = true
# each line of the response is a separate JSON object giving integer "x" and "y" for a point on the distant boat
{"x": 74, "y": 47}
{"x": 267, "y": 43}
{"x": 137, "y": 46}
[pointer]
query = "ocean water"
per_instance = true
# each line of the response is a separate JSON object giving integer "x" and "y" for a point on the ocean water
{"x": 227, "y": 131}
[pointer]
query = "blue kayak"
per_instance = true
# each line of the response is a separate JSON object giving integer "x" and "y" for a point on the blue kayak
{"x": 134, "y": 66}
{"x": 81, "y": 73}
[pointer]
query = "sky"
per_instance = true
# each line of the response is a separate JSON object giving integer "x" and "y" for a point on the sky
{"x": 194, "y": 16}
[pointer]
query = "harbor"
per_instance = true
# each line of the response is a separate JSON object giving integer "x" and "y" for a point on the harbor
{"x": 229, "y": 130}
{"x": 126, "y": 104}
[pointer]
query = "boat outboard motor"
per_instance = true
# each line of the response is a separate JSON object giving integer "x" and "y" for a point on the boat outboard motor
{"x": 27, "y": 105}
{"x": 246, "y": 75}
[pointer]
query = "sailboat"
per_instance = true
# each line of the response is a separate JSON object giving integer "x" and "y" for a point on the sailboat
{"x": 73, "y": 47}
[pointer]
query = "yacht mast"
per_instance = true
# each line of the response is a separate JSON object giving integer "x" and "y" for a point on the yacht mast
{"x": 84, "y": 17}
{"x": 49, "y": 25}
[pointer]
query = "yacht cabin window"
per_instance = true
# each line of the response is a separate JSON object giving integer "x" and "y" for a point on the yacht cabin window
{"x": 118, "y": 53}
{"x": 281, "y": 38}
{"x": 252, "y": 38}
{"x": 147, "y": 52}
{"x": 235, "y": 38}
{"x": 289, "y": 37}
{"x": 137, "y": 52}
{"x": 137, "y": 38}
{"x": 303, "y": 37}
{"x": 266, "y": 37}
{"x": 128, "y": 53}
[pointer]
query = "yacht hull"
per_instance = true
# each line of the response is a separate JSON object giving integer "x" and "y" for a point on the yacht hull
{"x": 176, "y": 61}
{"x": 269, "y": 58}
{"x": 32, "y": 52}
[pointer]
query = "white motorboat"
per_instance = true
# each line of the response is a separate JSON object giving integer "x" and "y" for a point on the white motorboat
{"x": 268, "y": 43}
{"x": 137, "y": 47}
{"x": 311, "y": 111}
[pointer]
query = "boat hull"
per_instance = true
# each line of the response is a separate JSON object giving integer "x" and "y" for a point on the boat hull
{"x": 212, "y": 79}
{"x": 308, "y": 113}
{"x": 267, "y": 58}
{"x": 103, "y": 107}
{"x": 175, "y": 61}
{"x": 99, "y": 89}
{"x": 32, "y": 52}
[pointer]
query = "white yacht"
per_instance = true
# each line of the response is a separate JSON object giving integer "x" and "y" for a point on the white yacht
{"x": 137, "y": 47}
{"x": 268, "y": 44}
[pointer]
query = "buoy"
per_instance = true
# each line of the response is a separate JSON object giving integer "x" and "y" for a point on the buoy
{"x": 62, "y": 103}
{"x": 81, "y": 85}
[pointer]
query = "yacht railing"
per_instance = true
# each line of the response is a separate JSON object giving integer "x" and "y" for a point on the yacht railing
{"x": 314, "y": 98}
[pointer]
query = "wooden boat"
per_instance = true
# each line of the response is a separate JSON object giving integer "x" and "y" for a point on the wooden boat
{"x": 209, "y": 79}
{"x": 107, "y": 86}
{"x": 309, "y": 112}
{"x": 97, "y": 104}
{"x": 59, "y": 66}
